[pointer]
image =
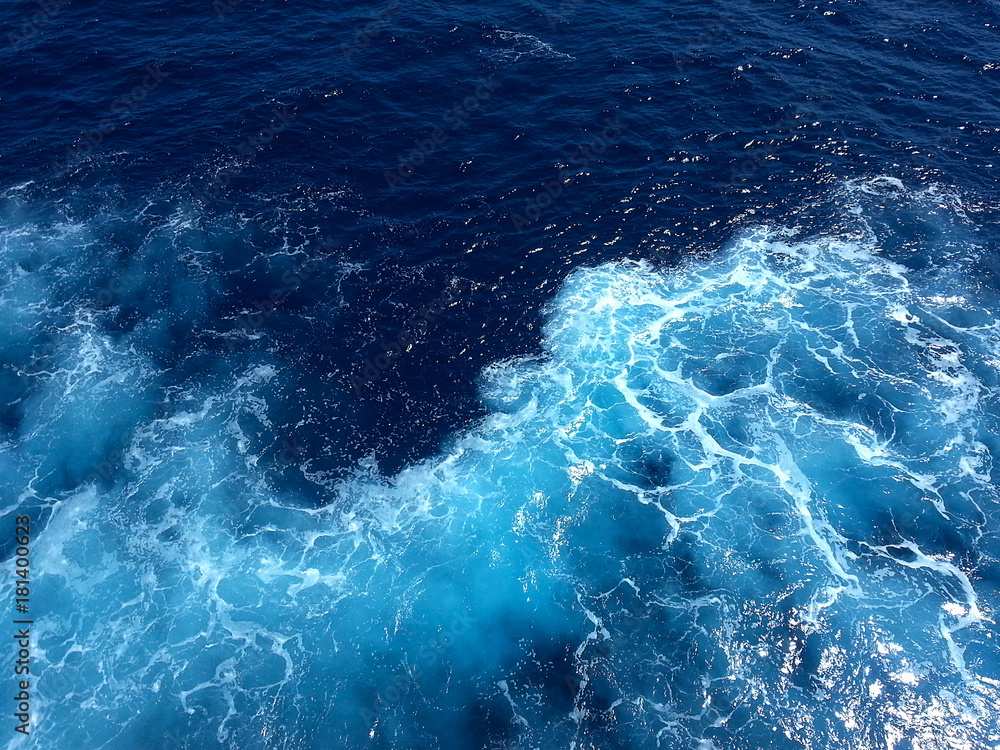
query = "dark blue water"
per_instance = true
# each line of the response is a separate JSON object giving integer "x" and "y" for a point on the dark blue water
{"x": 546, "y": 375}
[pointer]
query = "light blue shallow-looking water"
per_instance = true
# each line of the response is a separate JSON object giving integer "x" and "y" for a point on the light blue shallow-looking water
{"x": 735, "y": 503}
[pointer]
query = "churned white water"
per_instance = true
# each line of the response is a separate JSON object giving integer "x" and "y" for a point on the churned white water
{"x": 745, "y": 502}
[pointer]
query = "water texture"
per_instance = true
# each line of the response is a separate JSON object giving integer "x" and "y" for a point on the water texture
{"x": 538, "y": 376}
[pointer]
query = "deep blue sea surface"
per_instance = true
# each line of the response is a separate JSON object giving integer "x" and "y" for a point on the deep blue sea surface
{"x": 560, "y": 374}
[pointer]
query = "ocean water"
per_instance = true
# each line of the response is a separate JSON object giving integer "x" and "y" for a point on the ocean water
{"x": 547, "y": 375}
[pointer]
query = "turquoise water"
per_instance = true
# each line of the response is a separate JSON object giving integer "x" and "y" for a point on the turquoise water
{"x": 541, "y": 375}
{"x": 742, "y": 502}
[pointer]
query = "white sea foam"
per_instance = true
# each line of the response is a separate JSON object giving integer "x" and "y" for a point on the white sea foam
{"x": 512, "y": 46}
